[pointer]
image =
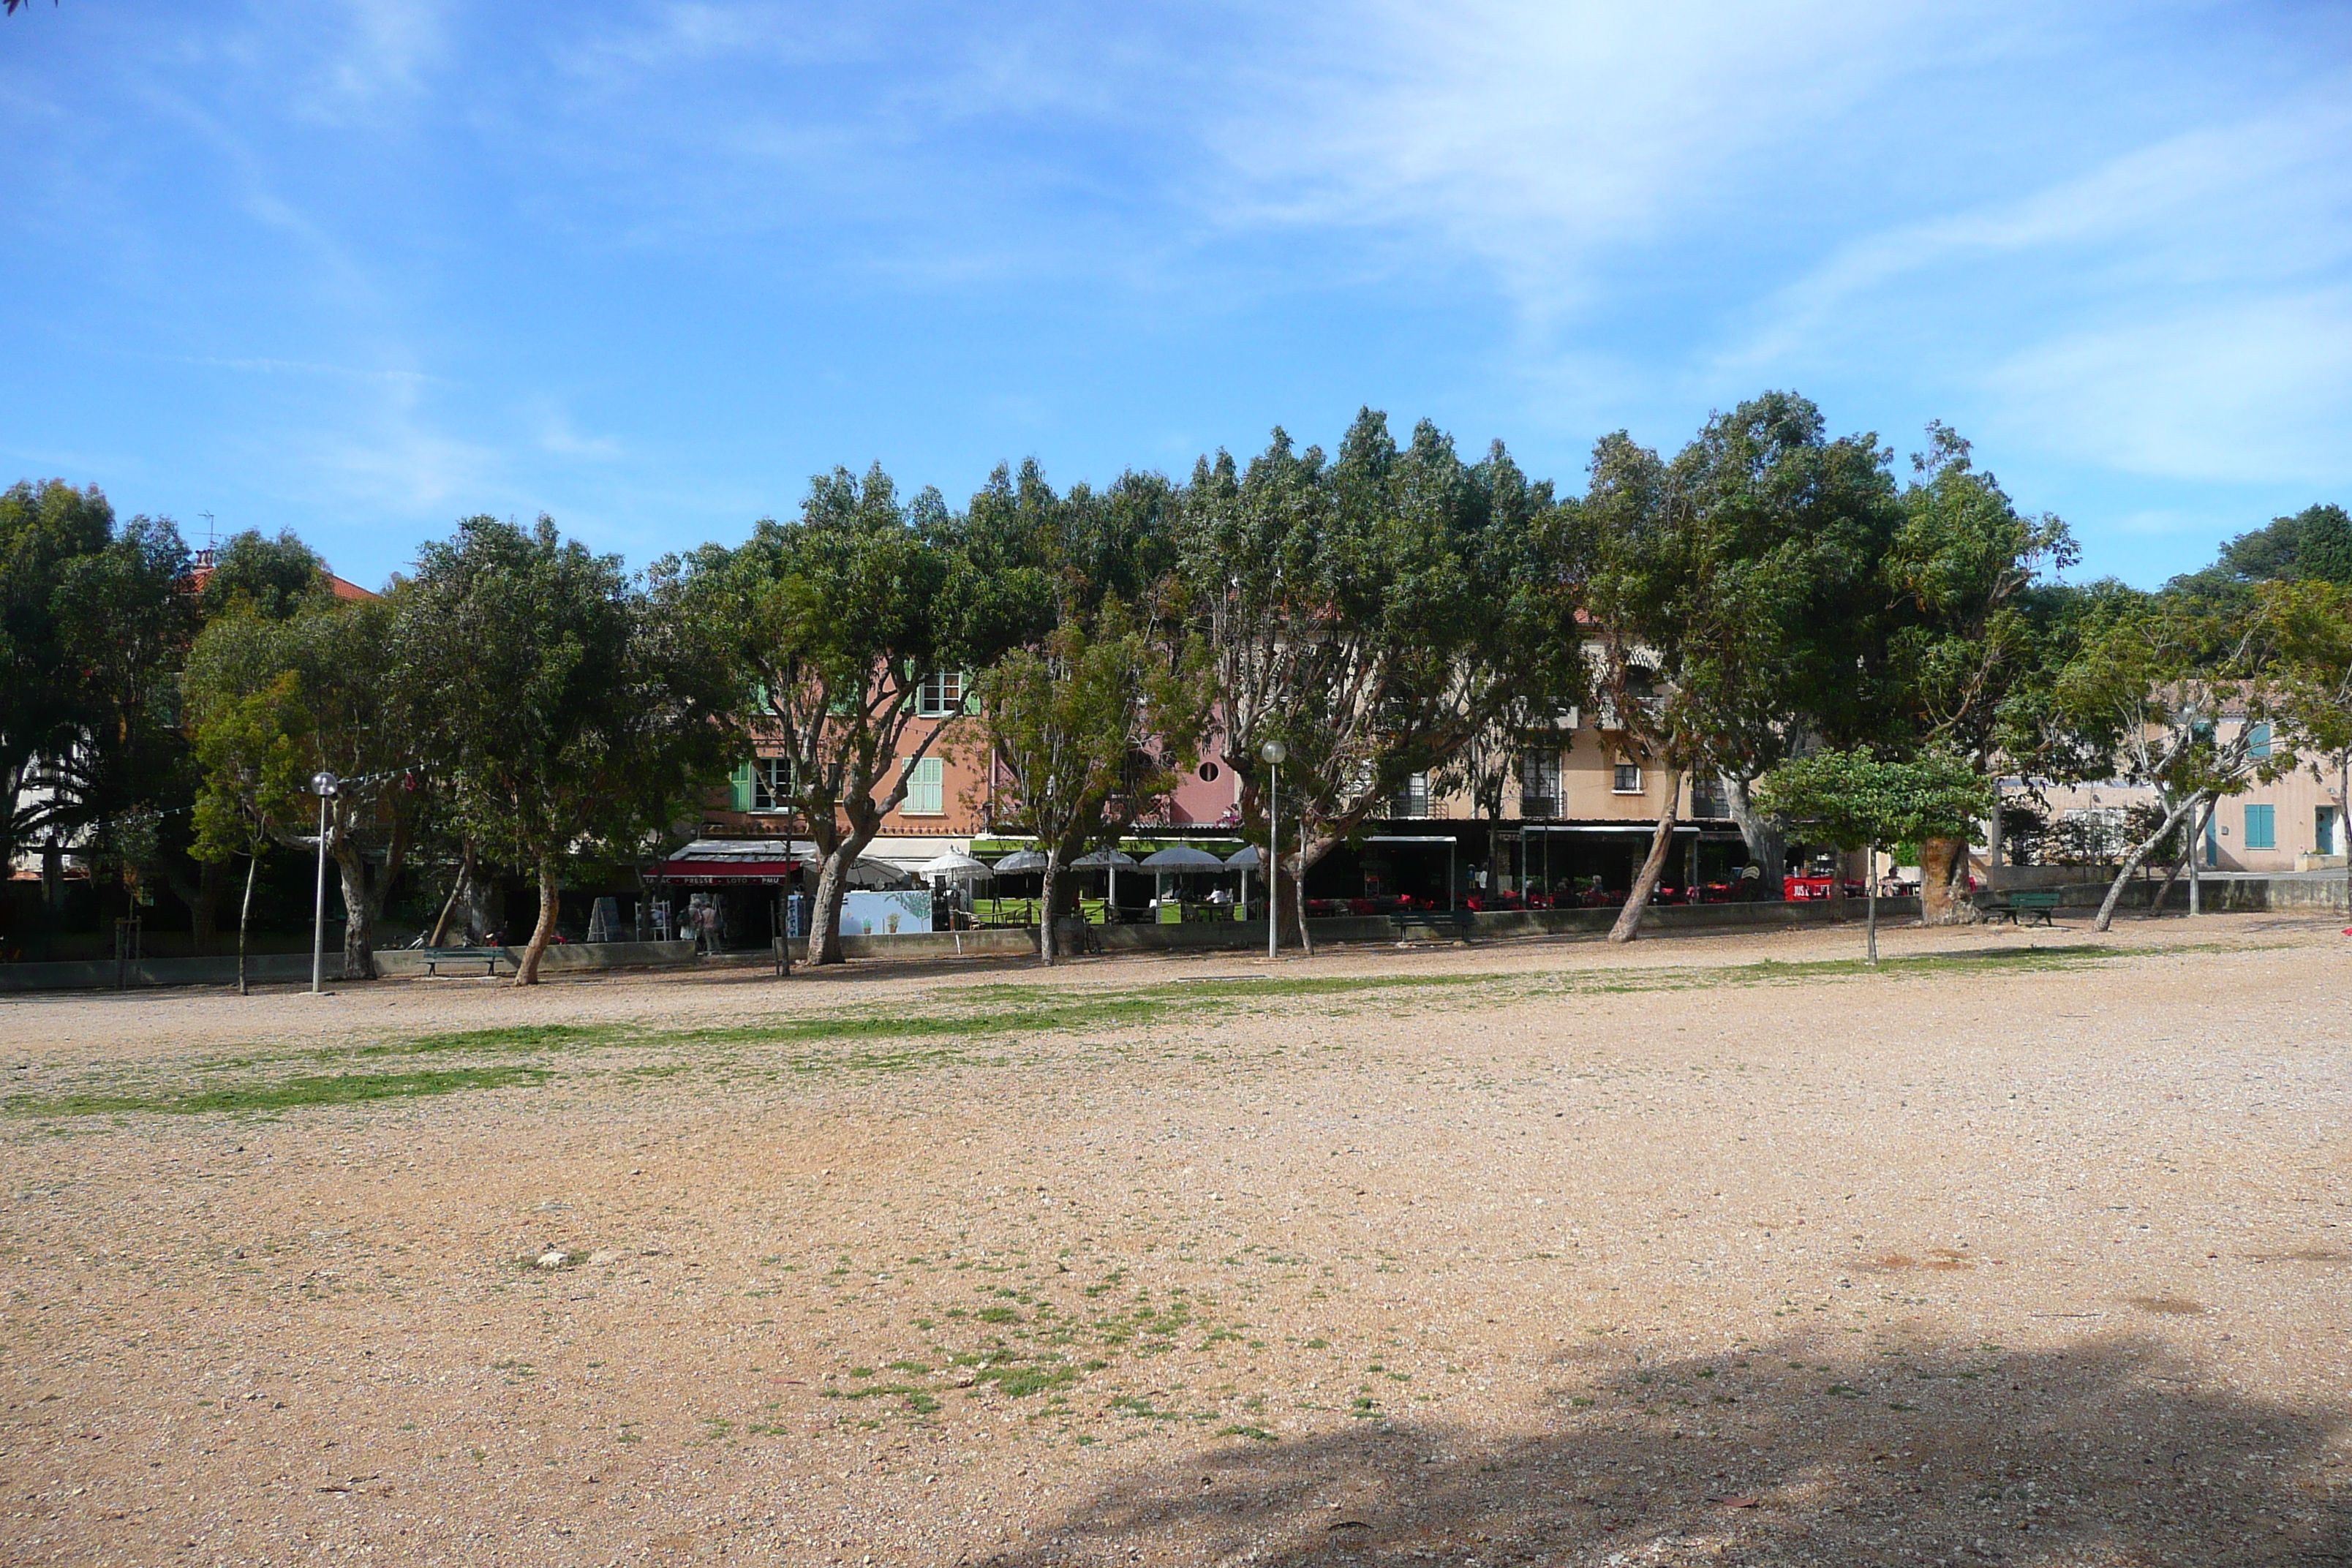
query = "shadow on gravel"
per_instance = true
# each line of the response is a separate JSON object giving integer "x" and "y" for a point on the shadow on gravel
{"x": 2103, "y": 1454}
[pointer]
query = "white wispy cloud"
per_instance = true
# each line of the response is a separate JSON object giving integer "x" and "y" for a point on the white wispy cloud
{"x": 1539, "y": 137}
{"x": 2256, "y": 389}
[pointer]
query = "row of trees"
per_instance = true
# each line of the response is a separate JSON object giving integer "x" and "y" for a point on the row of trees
{"x": 1765, "y": 594}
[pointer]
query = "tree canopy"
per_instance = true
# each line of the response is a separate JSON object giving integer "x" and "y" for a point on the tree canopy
{"x": 566, "y": 707}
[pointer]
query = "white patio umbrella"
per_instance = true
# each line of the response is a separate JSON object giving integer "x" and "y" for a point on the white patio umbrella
{"x": 1244, "y": 860}
{"x": 956, "y": 866}
{"x": 1110, "y": 861}
{"x": 1022, "y": 861}
{"x": 1182, "y": 857}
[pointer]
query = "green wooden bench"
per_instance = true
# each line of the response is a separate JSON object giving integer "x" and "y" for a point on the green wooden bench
{"x": 437, "y": 955}
{"x": 1460, "y": 922}
{"x": 2024, "y": 906}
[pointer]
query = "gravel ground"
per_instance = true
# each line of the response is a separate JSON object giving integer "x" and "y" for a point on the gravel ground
{"x": 2030, "y": 1248}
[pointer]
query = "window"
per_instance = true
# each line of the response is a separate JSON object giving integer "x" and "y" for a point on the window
{"x": 772, "y": 784}
{"x": 1627, "y": 779}
{"x": 1412, "y": 796}
{"x": 927, "y": 787}
{"x": 1539, "y": 784}
{"x": 2262, "y": 828}
{"x": 2258, "y": 740}
{"x": 1707, "y": 799}
{"x": 941, "y": 695}
{"x": 2323, "y": 831}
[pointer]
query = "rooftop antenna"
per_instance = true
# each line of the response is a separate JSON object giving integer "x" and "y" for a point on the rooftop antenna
{"x": 209, "y": 554}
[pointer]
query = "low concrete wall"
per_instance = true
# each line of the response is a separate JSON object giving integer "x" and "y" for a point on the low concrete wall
{"x": 997, "y": 941}
{"x": 294, "y": 969}
{"x": 560, "y": 957}
{"x": 1244, "y": 936}
{"x": 2010, "y": 878}
{"x": 103, "y": 974}
{"x": 2229, "y": 895}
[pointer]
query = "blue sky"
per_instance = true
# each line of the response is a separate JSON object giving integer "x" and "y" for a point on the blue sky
{"x": 362, "y": 266}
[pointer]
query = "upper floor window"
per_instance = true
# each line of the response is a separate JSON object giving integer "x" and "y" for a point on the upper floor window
{"x": 927, "y": 787}
{"x": 941, "y": 695}
{"x": 1708, "y": 798}
{"x": 1413, "y": 795}
{"x": 2258, "y": 740}
{"x": 772, "y": 784}
{"x": 1540, "y": 784}
{"x": 1627, "y": 779}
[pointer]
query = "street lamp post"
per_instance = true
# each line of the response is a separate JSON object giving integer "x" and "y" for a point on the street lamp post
{"x": 325, "y": 785}
{"x": 1272, "y": 751}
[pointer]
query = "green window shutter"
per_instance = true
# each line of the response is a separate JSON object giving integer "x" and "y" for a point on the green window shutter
{"x": 2262, "y": 828}
{"x": 2258, "y": 740}
{"x": 739, "y": 786}
{"x": 927, "y": 794}
{"x": 970, "y": 694}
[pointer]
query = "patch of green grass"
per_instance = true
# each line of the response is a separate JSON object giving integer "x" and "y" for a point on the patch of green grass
{"x": 920, "y": 1400}
{"x": 282, "y": 1094}
{"x": 996, "y": 1011}
{"x": 517, "y": 1037}
{"x": 1019, "y": 1381}
{"x": 1254, "y": 1434}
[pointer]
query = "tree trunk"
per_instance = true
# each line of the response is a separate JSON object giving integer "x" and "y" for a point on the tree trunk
{"x": 1629, "y": 919}
{"x": 1049, "y": 914}
{"x": 527, "y": 972}
{"x": 204, "y": 909}
{"x": 2200, "y": 825}
{"x": 359, "y": 911}
{"x": 1870, "y": 901}
{"x": 458, "y": 892}
{"x": 824, "y": 909}
{"x": 2163, "y": 892}
{"x": 1292, "y": 879}
{"x": 2155, "y": 904}
{"x": 1768, "y": 846}
{"x": 2139, "y": 853}
{"x": 245, "y": 921}
{"x": 1942, "y": 863}
{"x": 1993, "y": 840}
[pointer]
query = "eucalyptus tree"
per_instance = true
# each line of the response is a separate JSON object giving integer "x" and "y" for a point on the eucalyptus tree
{"x": 566, "y": 709}
{"x": 1090, "y": 724}
{"x": 1969, "y": 645}
{"x": 93, "y": 624}
{"x": 1359, "y": 610}
{"x": 270, "y": 702}
{"x": 275, "y": 576}
{"x": 2311, "y": 545}
{"x": 833, "y": 622}
{"x": 1734, "y": 599}
{"x": 254, "y": 782}
{"x": 1092, "y": 729}
{"x": 2175, "y": 695}
{"x": 2310, "y": 686}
